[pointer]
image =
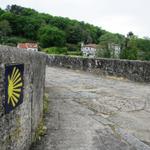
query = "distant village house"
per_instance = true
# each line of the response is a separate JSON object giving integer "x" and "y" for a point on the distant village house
{"x": 89, "y": 50}
{"x": 28, "y": 46}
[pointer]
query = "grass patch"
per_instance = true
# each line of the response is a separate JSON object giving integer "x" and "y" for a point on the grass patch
{"x": 40, "y": 131}
{"x": 45, "y": 103}
{"x": 55, "y": 50}
{"x": 74, "y": 53}
{"x": 62, "y": 51}
{"x": 41, "y": 128}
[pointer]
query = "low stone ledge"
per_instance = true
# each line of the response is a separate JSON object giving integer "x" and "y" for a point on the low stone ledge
{"x": 132, "y": 70}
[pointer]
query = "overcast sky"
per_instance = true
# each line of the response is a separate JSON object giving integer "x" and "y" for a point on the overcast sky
{"x": 118, "y": 16}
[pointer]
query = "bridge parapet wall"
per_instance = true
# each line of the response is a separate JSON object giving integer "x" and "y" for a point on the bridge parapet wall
{"x": 17, "y": 127}
{"x": 132, "y": 70}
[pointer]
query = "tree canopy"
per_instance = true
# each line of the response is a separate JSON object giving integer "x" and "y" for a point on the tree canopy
{"x": 19, "y": 24}
{"x": 26, "y": 23}
{"x": 50, "y": 36}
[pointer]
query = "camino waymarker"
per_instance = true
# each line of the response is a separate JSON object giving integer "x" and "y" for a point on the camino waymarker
{"x": 13, "y": 86}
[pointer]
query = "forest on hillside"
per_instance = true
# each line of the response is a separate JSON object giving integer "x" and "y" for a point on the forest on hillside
{"x": 19, "y": 24}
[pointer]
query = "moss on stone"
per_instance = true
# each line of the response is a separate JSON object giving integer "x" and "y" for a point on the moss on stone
{"x": 40, "y": 131}
{"x": 45, "y": 103}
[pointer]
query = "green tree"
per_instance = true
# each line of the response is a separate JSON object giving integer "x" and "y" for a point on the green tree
{"x": 105, "y": 44}
{"x": 30, "y": 26}
{"x": 103, "y": 51}
{"x": 13, "y": 21}
{"x": 5, "y": 30}
{"x": 144, "y": 48}
{"x": 1, "y": 11}
{"x": 18, "y": 10}
{"x": 131, "y": 50}
{"x": 112, "y": 38}
{"x": 74, "y": 34}
{"x": 25, "y": 23}
{"x": 51, "y": 36}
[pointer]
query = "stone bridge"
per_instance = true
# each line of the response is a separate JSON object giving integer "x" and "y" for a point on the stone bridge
{"x": 98, "y": 104}
{"x": 89, "y": 112}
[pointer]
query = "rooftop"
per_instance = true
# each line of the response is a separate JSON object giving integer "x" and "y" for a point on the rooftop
{"x": 91, "y": 45}
{"x": 27, "y": 45}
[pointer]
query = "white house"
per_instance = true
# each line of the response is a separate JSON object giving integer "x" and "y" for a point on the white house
{"x": 28, "y": 46}
{"x": 89, "y": 50}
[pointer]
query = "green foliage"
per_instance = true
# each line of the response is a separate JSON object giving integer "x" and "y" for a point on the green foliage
{"x": 1, "y": 11}
{"x": 18, "y": 10}
{"x": 45, "y": 103}
{"x": 51, "y": 36}
{"x": 41, "y": 128}
{"x": 74, "y": 34}
{"x": 74, "y": 53}
{"x": 130, "y": 54}
{"x": 105, "y": 44}
{"x": 30, "y": 26}
{"x": 5, "y": 28}
{"x": 56, "y": 50}
{"x": 73, "y": 47}
{"x": 14, "y": 40}
{"x": 26, "y": 22}
{"x": 144, "y": 49}
{"x": 131, "y": 50}
{"x": 103, "y": 52}
{"x": 112, "y": 38}
{"x": 82, "y": 32}
{"x": 19, "y": 24}
{"x": 40, "y": 131}
{"x": 62, "y": 51}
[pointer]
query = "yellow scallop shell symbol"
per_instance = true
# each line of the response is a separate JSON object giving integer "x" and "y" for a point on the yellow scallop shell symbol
{"x": 14, "y": 86}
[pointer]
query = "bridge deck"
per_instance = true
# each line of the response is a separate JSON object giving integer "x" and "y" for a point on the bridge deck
{"x": 89, "y": 112}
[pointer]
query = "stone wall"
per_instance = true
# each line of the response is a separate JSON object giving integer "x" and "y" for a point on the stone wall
{"x": 132, "y": 70}
{"x": 17, "y": 128}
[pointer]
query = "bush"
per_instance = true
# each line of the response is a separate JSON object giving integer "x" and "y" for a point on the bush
{"x": 61, "y": 50}
{"x": 72, "y": 47}
{"x": 51, "y": 36}
{"x": 56, "y": 50}
{"x": 13, "y": 41}
{"x": 74, "y": 53}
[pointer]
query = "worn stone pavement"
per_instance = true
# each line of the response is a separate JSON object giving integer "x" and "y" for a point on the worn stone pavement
{"x": 89, "y": 112}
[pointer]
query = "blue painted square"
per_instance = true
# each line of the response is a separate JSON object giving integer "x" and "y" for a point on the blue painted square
{"x": 13, "y": 86}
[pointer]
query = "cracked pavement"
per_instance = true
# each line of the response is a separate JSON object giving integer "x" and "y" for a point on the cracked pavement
{"x": 89, "y": 112}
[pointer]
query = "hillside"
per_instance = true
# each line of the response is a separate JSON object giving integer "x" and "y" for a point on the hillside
{"x": 19, "y": 24}
{"x": 23, "y": 24}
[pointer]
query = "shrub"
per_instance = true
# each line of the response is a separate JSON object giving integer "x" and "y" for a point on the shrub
{"x": 74, "y": 53}
{"x": 56, "y": 50}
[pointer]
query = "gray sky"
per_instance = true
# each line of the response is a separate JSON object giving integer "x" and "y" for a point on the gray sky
{"x": 118, "y": 16}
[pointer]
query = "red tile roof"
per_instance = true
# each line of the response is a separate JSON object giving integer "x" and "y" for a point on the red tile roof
{"x": 27, "y": 45}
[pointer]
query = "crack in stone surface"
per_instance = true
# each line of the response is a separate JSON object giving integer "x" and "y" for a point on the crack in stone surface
{"x": 89, "y": 112}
